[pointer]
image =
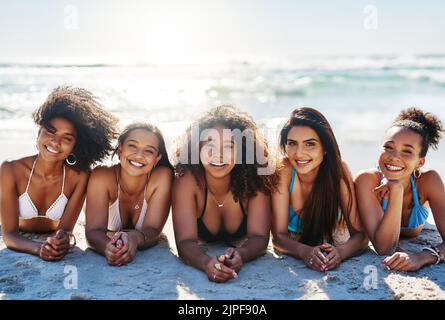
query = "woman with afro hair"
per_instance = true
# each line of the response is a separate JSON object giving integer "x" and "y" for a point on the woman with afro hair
{"x": 44, "y": 193}
{"x": 392, "y": 198}
{"x": 221, "y": 192}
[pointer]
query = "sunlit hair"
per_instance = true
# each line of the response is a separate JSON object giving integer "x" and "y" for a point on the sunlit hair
{"x": 95, "y": 126}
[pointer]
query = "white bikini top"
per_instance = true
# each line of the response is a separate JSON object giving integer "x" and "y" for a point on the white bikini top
{"x": 114, "y": 216}
{"x": 27, "y": 208}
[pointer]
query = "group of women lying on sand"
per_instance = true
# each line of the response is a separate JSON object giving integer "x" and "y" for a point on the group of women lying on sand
{"x": 220, "y": 189}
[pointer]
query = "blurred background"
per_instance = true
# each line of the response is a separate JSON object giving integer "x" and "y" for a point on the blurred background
{"x": 165, "y": 62}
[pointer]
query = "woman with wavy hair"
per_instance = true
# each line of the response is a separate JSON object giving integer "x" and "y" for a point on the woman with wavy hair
{"x": 220, "y": 192}
{"x": 392, "y": 197}
{"x": 44, "y": 193}
{"x": 315, "y": 214}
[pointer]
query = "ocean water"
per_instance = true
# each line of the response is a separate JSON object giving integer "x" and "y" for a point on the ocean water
{"x": 360, "y": 95}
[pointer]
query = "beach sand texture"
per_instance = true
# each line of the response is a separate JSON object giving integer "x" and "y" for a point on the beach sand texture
{"x": 158, "y": 273}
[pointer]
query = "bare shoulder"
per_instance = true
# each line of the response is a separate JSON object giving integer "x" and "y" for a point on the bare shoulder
{"x": 162, "y": 174}
{"x": 367, "y": 177}
{"x": 187, "y": 181}
{"x": 103, "y": 175}
{"x": 429, "y": 179}
{"x": 17, "y": 168}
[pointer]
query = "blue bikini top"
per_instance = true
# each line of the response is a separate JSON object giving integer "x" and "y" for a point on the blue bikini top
{"x": 418, "y": 214}
{"x": 295, "y": 221}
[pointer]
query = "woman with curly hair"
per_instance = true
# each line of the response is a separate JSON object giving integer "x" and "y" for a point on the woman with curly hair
{"x": 218, "y": 193}
{"x": 44, "y": 193}
{"x": 128, "y": 203}
{"x": 392, "y": 198}
{"x": 315, "y": 214}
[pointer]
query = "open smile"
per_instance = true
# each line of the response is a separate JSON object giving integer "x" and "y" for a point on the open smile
{"x": 218, "y": 164}
{"x": 302, "y": 163}
{"x": 51, "y": 150}
{"x": 136, "y": 164}
{"x": 393, "y": 168}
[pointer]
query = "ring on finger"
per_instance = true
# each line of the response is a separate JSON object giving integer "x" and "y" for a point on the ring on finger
{"x": 218, "y": 266}
{"x": 311, "y": 261}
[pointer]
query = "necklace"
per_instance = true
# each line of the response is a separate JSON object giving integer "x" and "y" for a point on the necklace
{"x": 136, "y": 206}
{"x": 220, "y": 205}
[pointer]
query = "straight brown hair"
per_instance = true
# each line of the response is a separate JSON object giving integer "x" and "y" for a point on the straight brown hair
{"x": 321, "y": 208}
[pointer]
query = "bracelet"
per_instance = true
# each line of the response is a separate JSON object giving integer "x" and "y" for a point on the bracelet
{"x": 441, "y": 255}
{"x": 434, "y": 252}
{"x": 141, "y": 232}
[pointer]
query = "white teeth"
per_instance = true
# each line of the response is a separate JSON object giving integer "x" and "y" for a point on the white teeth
{"x": 51, "y": 149}
{"x": 217, "y": 164}
{"x": 303, "y": 162}
{"x": 393, "y": 168}
{"x": 136, "y": 164}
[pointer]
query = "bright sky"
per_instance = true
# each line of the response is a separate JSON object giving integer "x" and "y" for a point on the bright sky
{"x": 184, "y": 30}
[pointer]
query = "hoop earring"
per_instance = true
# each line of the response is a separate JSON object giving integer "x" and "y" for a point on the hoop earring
{"x": 417, "y": 173}
{"x": 71, "y": 159}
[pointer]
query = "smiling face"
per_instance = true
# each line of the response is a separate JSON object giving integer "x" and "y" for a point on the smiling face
{"x": 218, "y": 152}
{"x": 139, "y": 152}
{"x": 56, "y": 141}
{"x": 304, "y": 149}
{"x": 400, "y": 154}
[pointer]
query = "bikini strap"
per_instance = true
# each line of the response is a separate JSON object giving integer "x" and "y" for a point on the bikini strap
{"x": 291, "y": 187}
{"x": 30, "y": 174}
{"x": 242, "y": 208}
{"x": 63, "y": 181}
{"x": 415, "y": 194}
{"x": 117, "y": 181}
{"x": 205, "y": 202}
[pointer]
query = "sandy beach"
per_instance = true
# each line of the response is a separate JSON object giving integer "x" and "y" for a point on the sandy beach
{"x": 158, "y": 273}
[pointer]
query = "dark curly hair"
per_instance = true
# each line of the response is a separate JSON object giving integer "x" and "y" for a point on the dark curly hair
{"x": 244, "y": 178}
{"x": 164, "y": 161}
{"x": 427, "y": 125}
{"x": 95, "y": 126}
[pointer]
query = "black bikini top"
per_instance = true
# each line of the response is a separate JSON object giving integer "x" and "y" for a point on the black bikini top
{"x": 222, "y": 235}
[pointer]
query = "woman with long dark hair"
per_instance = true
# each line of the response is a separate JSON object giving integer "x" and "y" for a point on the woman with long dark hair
{"x": 315, "y": 214}
{"x": 392, "y": 197}
{"x": 128, "y": 203}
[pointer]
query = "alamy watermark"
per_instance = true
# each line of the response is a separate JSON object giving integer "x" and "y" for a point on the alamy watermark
{"x": 371, "y": 20}
{"x": 371, "y": 280}
{"x": 71, "y": 17}
{"x": 70, "y": 281}
{"x": 246, "y": 148}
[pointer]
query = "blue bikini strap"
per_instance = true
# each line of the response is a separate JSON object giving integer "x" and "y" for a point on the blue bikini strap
{"x": 415, "y": 195}
{"x": 291, "y": 187}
